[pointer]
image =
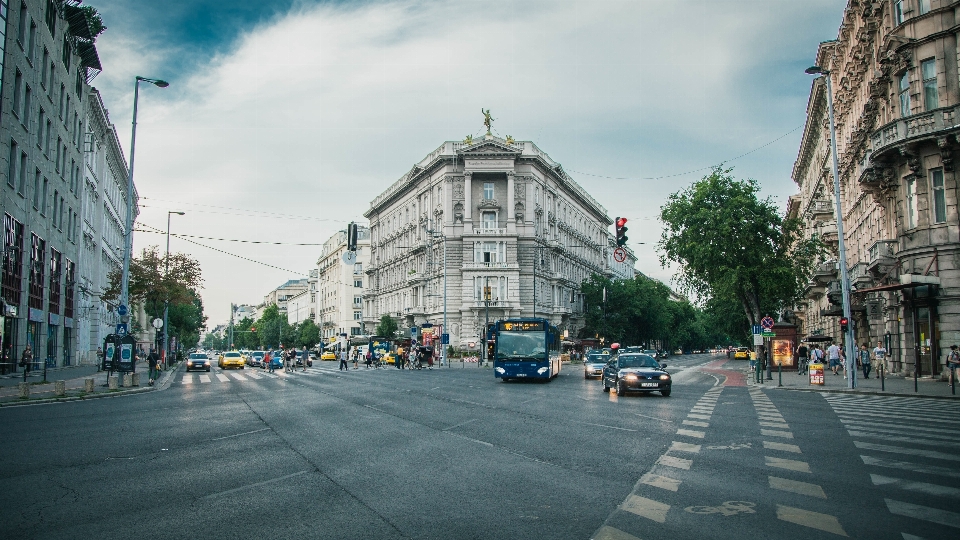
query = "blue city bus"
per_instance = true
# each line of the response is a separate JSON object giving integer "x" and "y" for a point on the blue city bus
{"x": 525, "y": 349}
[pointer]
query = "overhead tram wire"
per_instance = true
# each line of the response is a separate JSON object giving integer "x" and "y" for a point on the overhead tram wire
{"x": 229, "y": 239}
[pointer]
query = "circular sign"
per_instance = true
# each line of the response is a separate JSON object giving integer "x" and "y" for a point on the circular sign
{"x": 121, "y": 310}
{"x": 619, "y": 254}
{"x": 349, "y": 257}
{"x": 158, "y": 323}
{"x": 767, "y": 322}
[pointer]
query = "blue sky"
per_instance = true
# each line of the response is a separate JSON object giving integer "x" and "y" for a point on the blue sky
{"x": 285, "y": 118}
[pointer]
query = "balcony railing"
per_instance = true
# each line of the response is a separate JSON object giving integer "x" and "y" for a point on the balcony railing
{"x": 882, "y": 249}
{"x": 912, "y": 127}
{"x": 828, "y": 232}
{"x": 820, "y": 207}
{"x": 825, "y": 272}
{"x": 859, "y": 275}
{"x": 490, "y": 232}
{"x": 485, "y": 265}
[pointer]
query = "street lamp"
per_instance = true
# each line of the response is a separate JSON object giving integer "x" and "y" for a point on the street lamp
{"x": 128, "y": 240}
{"x": 844, "y": 277}
{"x": 166, "y": 301}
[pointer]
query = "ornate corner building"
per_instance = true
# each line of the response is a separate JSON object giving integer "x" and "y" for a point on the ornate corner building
{"x": 483, "y": 229}
{"x": 894, "y": 70}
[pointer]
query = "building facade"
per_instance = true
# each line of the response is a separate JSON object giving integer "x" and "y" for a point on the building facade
{"x": 894, "y": 72}
{"x": 49, "y": 60}
{"x": 303, "y": 306}
{"x": 480, "y": 215}
{"x": 341, "y": 286}
{"x": 282, "y": 294}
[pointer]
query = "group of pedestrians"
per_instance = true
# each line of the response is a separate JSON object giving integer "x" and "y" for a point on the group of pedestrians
{"x": 837, "y": 358}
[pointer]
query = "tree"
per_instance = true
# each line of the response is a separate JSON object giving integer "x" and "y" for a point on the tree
{"x": 636, "y": 311}
{"x": 186, "y": 320}
{"x": 387, "y": 327}
{"x": 214, "y": 341}
{"x": 733, "y": 246}
{"x": 94, "y": 21}
{"x": 309, "y": 334}
{"x": 273, "y": 329}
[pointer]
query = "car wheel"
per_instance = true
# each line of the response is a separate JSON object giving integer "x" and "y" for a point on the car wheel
{"x": 621, "y": 388}
{"x": 585, "y": 376}
{"x": 665, "y": 393}
{"x": 241, "y": 367}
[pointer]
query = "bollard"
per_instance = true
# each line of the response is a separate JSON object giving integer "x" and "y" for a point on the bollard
{"x": 127, "y": 380}
{"x": 136, "y": 379}
{"x": 59, "y": 388}
{"x": 883, "y": 384}
{"x": 88, "y": 385}
{"x": 24, "y": 390}
{"x": 112, "y": 382}
{"x": 780, "y": 374}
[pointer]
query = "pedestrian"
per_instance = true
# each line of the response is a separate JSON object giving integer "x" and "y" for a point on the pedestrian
{"x": 26, "y": 359}
{"x": 953, "y": 362}
{"x": 802, "y": 353}
{"x": 268, "y": 359}
{"x": 880, "y": 355}
{"x": 356, "y": 358}
{"x": 99, "y": 358}
{"x": 369, "y": 358}
{"x": 292, "y": 358}
{"x": 833, "y": 355}
{"x": 865, "y": 360}
{"x": 343, "y": 360}
{"x": 305, "y": 356}
{"x": 153, "y": 359}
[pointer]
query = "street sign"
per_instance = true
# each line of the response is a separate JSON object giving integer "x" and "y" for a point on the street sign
{"x": 121, "y": 329}
{"x": 349, "y": 257}
{"x": 121, "y": 310}
{"x": 757, "y": 339}
{"x": 767, "y": 322}
{"x": 768, "y": 333}
{"x": 158, "y": 323}
{"x": 619, "y": 254}
{"x": 413, "y": 333}
{"x": 445, "y": 339}
{"x": 757, "y": 329}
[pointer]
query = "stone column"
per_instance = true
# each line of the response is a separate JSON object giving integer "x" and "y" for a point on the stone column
{"x": 511, "y": 200}
{"x": 88, "y": 385}
{"x": 467, "y": 198}
{"x": 24, "y": 389}
{"x": 112, "y": 381}
{"x": 59, "y": 388}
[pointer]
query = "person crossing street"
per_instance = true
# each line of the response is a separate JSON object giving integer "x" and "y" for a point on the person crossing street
{"x": 343, "y": 355}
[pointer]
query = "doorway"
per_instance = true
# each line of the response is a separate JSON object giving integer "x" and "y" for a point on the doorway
{"x": 927, "y": 336}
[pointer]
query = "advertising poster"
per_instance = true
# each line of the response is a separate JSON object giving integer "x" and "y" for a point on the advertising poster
{"x": 108, "y": 356}
{"x": 782, "y": 352}
{"x": 816, "y": 373}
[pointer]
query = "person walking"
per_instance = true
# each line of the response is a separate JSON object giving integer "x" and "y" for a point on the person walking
{"x": 305, "y": 356}
{"x": 865, "y": 360}
{"x": 953, "y": 362}
{"x": 880, "y": 355}
{"x": 343, "y": 355}
{"x": 369, "y": 359}
{"x": 268, "y": 360}
{"x": 26, "y": 360}
{"x": 292, "y": 358}
{"x": 356, "y": 358}
{"x": 802, "y": 360}
{"x": 833, "y": 355}
{"x": 153, "y": 360}
{"x": 99, "y": 359}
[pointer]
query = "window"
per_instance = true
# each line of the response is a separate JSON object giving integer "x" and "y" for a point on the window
{"x": 905, "y": 94}
{"x": 43, "y": 197}
{"x": 22, "y": 28}
{"x": 928, "y": 70}
{"x": 488, "y": 220}
{"x": 939, "y": 198}
{"x": 66, "y": 111}
{"x": 36, "y": 189}
{"x": 43, "y": 68}
{"x": 56, "y": 197}
{"x": 17, "y": 96}
{"x": 12, "y": 165}
{"x": 22, "y": 184}
{"x": 355, "y": 331}
{"x": 358, "y": 283}
{"x": 923, "y": 6}
{"x": 357, "y": 315}
{"x": 498, "y": 288}
{"x": 911, "y": 203}
{"x": 51, "y": 16}
{"x": 41, "y": 120}
{"x": 358, "y": 301}
{"x": 25, "y": 115}
{"x": 57, "y": 161}
{"x": 358, "y": 268}
{"x": 66, "y": 54}
{"x": 31, "y": 42}
{"x": 898, "y": 12}
{"x": 63, "y": 95}
{"x": 488, "y": 190}
{"x": 46, "y": 138}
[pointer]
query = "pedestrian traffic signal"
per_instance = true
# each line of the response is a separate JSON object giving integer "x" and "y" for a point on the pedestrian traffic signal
{"x": 843, "y": 324}
{"x": 621, "y": 231}
{"x": 352, "y": 237}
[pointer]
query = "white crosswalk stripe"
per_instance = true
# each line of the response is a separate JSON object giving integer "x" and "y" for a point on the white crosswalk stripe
{"x": 910, "y": 447}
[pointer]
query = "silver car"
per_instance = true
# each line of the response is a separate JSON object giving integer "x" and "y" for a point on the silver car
{"x": 593, "y": 365}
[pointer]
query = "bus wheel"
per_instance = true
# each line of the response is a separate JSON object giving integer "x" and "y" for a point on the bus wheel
{"x": 504, "y": 379}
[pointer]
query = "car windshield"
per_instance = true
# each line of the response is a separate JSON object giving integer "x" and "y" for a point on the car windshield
{"x": 598, "y": 359}
{"x": 259, "y": 354}
{"x": 232, "y": 355}
{"x": 521, "y": 345}
{"x": 198, "y": 356}
{"x": 650, "y": 352}
{"x": 638, "y": 361}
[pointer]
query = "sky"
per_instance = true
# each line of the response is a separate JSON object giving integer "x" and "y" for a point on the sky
{"x": 285, "y": 118}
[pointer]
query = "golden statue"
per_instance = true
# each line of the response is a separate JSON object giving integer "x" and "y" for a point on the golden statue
{"x": 468, "y": 140}
{"x": 487, "y": 119}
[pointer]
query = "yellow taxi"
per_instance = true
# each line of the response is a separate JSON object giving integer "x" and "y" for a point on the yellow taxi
{"x": 742, "y": 353}
{"x": 328, "y": 355}
{"x": 389, "y": 358}
{"x": 231, "y": 359}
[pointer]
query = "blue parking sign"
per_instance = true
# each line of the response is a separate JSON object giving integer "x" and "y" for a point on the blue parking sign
{"x": 757, "y": 329}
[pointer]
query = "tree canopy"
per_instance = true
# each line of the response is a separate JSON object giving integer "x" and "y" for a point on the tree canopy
{"x": 387, "y": 326}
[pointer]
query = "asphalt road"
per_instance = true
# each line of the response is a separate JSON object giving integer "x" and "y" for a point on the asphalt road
{"x": 452, "y": 453}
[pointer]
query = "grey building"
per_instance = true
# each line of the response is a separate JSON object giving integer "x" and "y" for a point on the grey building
{"x": 485, "y": 214}
{"x": 49, "y": 59}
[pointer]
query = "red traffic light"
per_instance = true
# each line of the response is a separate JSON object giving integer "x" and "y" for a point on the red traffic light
{"x": 253, "y": 329}
{"x": 621, "y": 222}
{"x": 844, "y": 321}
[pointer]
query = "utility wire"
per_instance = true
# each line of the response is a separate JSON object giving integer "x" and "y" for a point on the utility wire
{"x": 184, "y": 236}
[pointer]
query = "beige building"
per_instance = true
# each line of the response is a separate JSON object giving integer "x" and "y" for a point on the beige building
{"x": 486, "y": 212}
{"x": 894, "y": 70}
{"x": 341, "y": 286}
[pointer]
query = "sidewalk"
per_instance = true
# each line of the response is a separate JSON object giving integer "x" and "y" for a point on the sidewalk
{"x": 73, "y": 378}
{"x": 894, "y": 385}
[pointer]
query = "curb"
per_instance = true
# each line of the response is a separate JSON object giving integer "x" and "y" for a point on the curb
{"x": 859, "y": 392}
{"x": 163, "y": 385}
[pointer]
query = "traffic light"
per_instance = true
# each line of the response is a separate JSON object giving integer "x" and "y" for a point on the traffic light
{"x": 253, "y": 328}
{"x": 621, "y": 231}
{"x": 843, "y": 324}
{"x": 352, "y": 237}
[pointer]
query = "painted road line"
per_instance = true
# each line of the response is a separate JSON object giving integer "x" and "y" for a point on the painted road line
{"x": 894, "y": 438}
{"x": 911, "y": 451}
{"x": 699, "y": 416}
{"x": 899, "y": 429}
{"x": 695, "y": 423}
{"x": 770, "y": 445}
{"x": 675, "y": 462}
{"x": 935, "y": 515}
{"x": 776, "y": 433}
{"x": 908, "y": 466}
{"x": 919, "y": 418}
{"x": 204, "y": 378}
{"x": 920, "y": 487}
{"x": 781, "y": 425}
{"x": 677, "y": 446}
{"x": 814, "y": 520}
{"x": 660, "y": 481}
{"x": 254, "y": 375}
{"x": 223, "y": 378}
{"x": 609, "y": 533}
{"x": 187, "y": 379}
{"x": 793, "y": 486}
{"x": 702, "y": 410}
{"x": 239, "y": 377}
{"x": 648, "y": 508}
{"x": 788, "y": 464}
{"x": 691, "y": 433}
{"x": 911, "y": 537}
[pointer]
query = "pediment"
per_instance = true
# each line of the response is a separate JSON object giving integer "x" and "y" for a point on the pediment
{"x": 490, "y": 147}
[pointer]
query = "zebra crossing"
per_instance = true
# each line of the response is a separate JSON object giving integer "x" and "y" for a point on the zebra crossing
{"x": 193, "y": 378}
{"x": 910, "y": 446}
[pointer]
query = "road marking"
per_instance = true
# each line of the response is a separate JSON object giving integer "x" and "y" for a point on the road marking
{"x": 460, "y": 424}
{"x": 782, "y": 425}
{"x": 911, "y": 537}
{"x": 606, "y": 426}
{"x": 662, "y": 482}
{"x": 691, "y": 433}
{"x": 204, "y": 378}
{"x": 775, "y": 433}
{"x": 734, "y": 446}
{"x": 675, "y": 462}
{"x": 648, "y": 508}
{"x": 695, "y": 423}
{"x": 793, "y": 486}
{"x": 935, "y": 515}
{"x": 921, "y": 487}
{"x": 901, "y": 417}
{"x": 223, "y": 378}
{"x": 814, "y": 520}
{"x": 654, "y": 418}
{"x": 212, "y": 495}
{"x": 894, "y": 438}
{"x": 908, "y": 466}
{"x": 239, "y": 377}
{"x": 240, "y": 434}
{"x": 900, "y": 429}
{"x": 911, "y": 451}
{"x": 609, "y": 533}
{"x": 788, "y": 464}
{"x": 485, "y": 443}
{"x": 699, "y": 416}
{"x": 254, "y": 375}
{"x": 770, "y": 417}
{"x": 770, "y": 445}
{"x": 187, "y": 379}
{"x": 677, "y": 446}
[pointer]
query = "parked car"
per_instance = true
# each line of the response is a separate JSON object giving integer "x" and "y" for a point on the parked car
{"x": 636, "y": 373}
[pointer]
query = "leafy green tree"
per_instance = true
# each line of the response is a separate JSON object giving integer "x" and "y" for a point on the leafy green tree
{"x": 186, "y": 321}
{"x": 387, "y": 327}
{"x": 729, "y": 244}
{"x": 309, "y": 334}
{"x": 214, "y": 341}
{"x": 273, "y": 329}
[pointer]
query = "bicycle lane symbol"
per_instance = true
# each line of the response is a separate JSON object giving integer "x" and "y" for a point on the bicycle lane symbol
{"x": 728, "y": 508}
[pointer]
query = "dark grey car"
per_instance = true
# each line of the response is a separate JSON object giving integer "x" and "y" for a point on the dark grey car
{"x": 636, "y": 373}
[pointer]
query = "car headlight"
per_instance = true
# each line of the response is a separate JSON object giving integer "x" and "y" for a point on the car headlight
{"x": 630, "y": 377}
{"x": 664, "y": 377}
{"x": 543, "y": 370}
{"x": 501, "y": 371}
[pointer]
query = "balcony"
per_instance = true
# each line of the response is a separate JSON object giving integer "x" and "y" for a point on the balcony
{"x": 828, "y": 233}
{"x": 487, "y": 265}
{"x": 927, "y": 125}
{"x": 820, "y": 209}
{"x": 859, "y": 276}
{"x": 415, "y": 277}
{"x": 881, "y": 256}
{"x": 813, "y": 290}
{"x": 490, "y": 232}
{"x": 835, "y": 293}
{"x": 825, "y": 272}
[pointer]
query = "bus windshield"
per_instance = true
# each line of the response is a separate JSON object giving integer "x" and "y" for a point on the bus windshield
{"x": 521, "y": 346}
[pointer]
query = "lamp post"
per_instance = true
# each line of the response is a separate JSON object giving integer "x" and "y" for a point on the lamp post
{"x": 166, "y": 301}
{"x": 128, "y": 240}
{"x": 844, "y": 277}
